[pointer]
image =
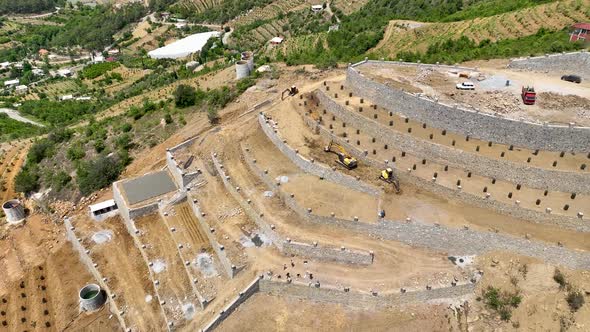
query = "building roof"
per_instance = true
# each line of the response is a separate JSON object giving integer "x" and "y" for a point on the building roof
{"x": 43, "y": 51}
{"x": 148, "y": 186}
{"x": 585, "y": 26}
{"x": 183, "y": 47}
{"x": 102, "y": 205}
{"x": 12, "y": 82}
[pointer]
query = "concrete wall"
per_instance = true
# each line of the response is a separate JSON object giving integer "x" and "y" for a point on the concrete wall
{"x": 246, "y": 293}
{"x": 451, "y": 240}
{"x": 311, "y": 167}
{"x": 287, "y": 246}
{"x": 328, "y": 294}
{"x": 467, "y": 122}
{"x": 121, "y": 205}
{"x": 223, "y": 259}
{"x": 532, "y": 177}
{"x": 360, "y": 300}
{"x": 567, "y": 63}
{"x": 181, "y": 177}
{"x": 479, "y": 201}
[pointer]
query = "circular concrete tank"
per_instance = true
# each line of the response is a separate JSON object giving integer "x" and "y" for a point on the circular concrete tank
{"x": 91, "y": 297}
{"x": 14, "y": 211}
{"x": 242, "y": 69}
{"x": 249, "y": 58}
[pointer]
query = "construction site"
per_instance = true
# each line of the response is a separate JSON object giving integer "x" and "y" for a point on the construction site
{"x": 375, "y": 197}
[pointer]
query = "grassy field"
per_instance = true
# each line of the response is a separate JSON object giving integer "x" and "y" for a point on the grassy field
{"x": 58, "y": 89}
{"x": 554, "y": 16}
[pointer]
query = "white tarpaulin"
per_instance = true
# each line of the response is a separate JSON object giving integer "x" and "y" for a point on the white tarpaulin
{"x": 183, "y": 47}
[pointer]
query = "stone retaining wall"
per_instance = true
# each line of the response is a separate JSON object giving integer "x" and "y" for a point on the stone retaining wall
{"x": 532, "y": 177}
{"x": 89, "y": 264}
{"x": 457, "y": 242}
{"x": 311, "y": 167}
{"x": 228, "y": 267}
{"x": 361, "y": 300}
{"x": 515, "y": 211}
{"x": 245, "y": 294}
{"x": 286, "y": 245}
{"x": 467, "y": 122}
{"x": 564, "y": 63}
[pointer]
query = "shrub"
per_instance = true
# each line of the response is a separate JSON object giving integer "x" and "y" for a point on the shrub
{"x": 27, "y": 179}
{"x": 501, "y": 302}
{"x": 184, "y": 96}
{"x": 168, "y": 118}
{"x": 75, "y": 152}
{"x": 213, "y": 116}
{"x": 559, "y": 278}
{"x": 96, "y": 174}
{"x": 99, "y": 145}
{"x": 575, "y": 300}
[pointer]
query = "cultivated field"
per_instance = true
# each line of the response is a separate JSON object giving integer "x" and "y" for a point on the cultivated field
{"x": 409, "y": 36}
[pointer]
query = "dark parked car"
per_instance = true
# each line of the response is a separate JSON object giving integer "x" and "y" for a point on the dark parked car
{"x": 571, "y": 78}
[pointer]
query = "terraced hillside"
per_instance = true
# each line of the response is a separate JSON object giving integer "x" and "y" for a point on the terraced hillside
{"x": 197, "y": 5}
{"x": 270, "y": 11}
{"x": 405, "y": 36}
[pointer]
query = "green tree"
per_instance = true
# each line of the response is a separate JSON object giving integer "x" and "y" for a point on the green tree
{"x": 96, "y": 174}
{"x": 184, "y": 96}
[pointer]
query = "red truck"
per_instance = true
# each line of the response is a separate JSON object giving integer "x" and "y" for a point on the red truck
{"x": 529, "y": 96}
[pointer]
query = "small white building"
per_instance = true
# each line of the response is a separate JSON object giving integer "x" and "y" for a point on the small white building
{"x": 66, "y": 97}
{"x": 64, "y": 72}
{"x": 103, "y": 210}
{"x": 317, "y": 8}
{"x": 276, "y": 40}
{"x": 38, "y": 72}
{"x": 21, "y": 89}
{"x": 98, "y": 59}
{"x": 84, "y": 98}
{"x": 5, "y": 65}
{"x": 180, "y": 25}
{"x": 11, "y": 83}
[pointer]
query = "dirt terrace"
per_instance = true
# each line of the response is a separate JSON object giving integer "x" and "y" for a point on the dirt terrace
{"x": 195, "y": 245}
{"x": 112, "y": 248}
{"x": 173, "y": 282}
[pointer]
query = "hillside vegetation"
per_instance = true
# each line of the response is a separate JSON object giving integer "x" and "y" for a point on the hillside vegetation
{"x": 525, "y": 22}
{"x": 27, "y": 6}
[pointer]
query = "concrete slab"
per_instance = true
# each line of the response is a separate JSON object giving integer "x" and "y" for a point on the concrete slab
{"x": 148, "y": 186}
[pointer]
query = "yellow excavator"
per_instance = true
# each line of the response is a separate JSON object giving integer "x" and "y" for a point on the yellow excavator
{"x": 290, "y": 92}
{"x": 344, "y": 158}
{"x": 388, "y": 176}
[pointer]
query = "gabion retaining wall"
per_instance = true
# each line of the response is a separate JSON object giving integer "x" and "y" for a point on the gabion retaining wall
{"x": 532, "y": 177}
{"x": 565, "y": 63}
{"x": 486, "y": 203}
{"x": 451, "y": 240}
{"x": 311, "y": 167}
{"x": 467, "y": 122}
